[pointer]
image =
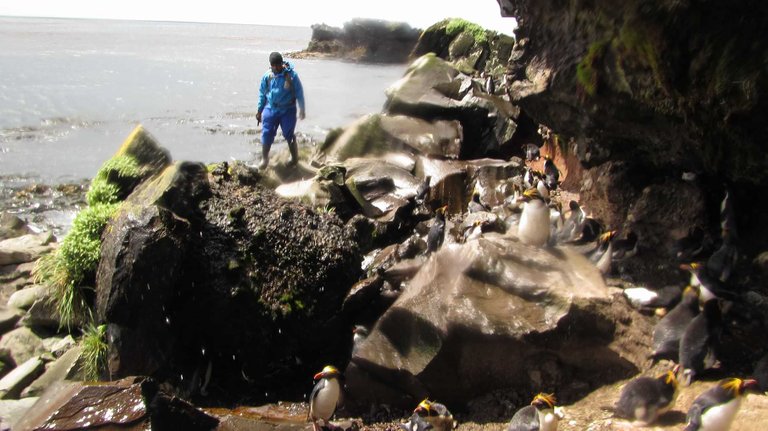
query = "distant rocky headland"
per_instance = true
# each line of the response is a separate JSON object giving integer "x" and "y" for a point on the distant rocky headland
{"x": 364, "y": 40}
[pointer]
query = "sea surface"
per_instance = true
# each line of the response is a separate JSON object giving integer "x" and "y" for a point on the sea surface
{"x": 72, "y": 90}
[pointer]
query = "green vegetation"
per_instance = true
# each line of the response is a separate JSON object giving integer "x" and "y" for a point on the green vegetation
{"x": 94, "y": 350}
{"x": 586, "y": 70}
{"x": 458, "y": 25}
{"x": 369, "y": 139}
{"x": 641, "y": 47}
{"x": 105, "y": 186}
{"x": 73, "y": 265}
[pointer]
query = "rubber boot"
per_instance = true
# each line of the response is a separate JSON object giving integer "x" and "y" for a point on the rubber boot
{"x": 294, "y": 148}
{"x": 264, "y": 157}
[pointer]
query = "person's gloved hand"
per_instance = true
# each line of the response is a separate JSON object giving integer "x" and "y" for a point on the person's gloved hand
{"x": 258, "y": 118}
{"x": 301, "y": 114}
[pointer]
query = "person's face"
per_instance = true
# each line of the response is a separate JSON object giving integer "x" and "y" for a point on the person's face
{"x": 276, "y": 68}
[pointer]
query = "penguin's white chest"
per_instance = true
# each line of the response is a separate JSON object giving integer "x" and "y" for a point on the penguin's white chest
{"x": 548, "y": 421}
{"x": 534, "y": 223}
{"x": 324, "y": 403}
{"x": 719, "y": 418}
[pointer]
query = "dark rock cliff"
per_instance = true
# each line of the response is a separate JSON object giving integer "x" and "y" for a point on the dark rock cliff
{"x": 666, "y": 86}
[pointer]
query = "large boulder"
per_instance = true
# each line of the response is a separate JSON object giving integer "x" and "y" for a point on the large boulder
{"x": 215, "y": 285}
{"x": 435, "y": 89}
{"x": 376, "y": 135}
{"x": 496, "y": 314}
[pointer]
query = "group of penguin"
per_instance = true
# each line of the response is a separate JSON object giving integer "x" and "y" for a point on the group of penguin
{"x": 539, "y": 220}
{"x": 687, "y": 334}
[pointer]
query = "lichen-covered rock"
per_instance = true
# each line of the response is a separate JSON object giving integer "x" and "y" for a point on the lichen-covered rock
{"x": 217, "y": 285}
{"x": 492, "y": 314}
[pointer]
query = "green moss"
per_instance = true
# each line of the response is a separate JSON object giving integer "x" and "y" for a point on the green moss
{"x": 94, "y": 351}
{"x": 369, "y": 137}
{"x": 113, "y": 179}
{"x": 330, "y": 138}
{"x": 638, "y": 44}
{"x": 586, "y": 70}
{"x": 458, "y": 25}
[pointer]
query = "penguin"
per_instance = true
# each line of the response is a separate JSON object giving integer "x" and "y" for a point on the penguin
{"x": 531, "y": 152}
{"x": 534, "y": 221}
{"x": 360, "y": 333}
{"x": 436, "y": 234}
{"x": 416, "y": 423}
{"x": 699, "y": 342}
{"x": 490, "y": 85}
{"x": 709, "y": 287}
{"x": 474, "y": 205}
{"x": 643, "y": 298}
{"x": 721, "y": 263}
{"x": 644, "y": 399}
{"x": 760, "y": 373}
{"x": 668, "y": 332}
{"x": 528, "y": 178}
{"x": 423, "y": 189}
{"x": 691, "y": 246}
{"x": 325, "y": 396}
{"x": 435, "y": 414}
{"x": 551, "y": 173}
{"x": 541, "y": 186}
{"x": 475, "y": 231}
{"x": 624, "y": 248}
{"x": 573, "y": 225}
{"x": 716, "y": 408}
{"x": 601, "y": 257}
{"x": 540, "y": 415}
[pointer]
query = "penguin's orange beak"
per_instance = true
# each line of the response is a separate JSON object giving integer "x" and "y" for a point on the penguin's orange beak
{"x": 319, "y": 375}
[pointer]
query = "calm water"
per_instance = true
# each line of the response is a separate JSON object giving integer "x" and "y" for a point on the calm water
{"x": 72, "y": 90}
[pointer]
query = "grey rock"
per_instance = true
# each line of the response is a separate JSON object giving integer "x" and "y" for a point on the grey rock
{"x": 12, "y": 226}
{"x": 25, "y": 248}
{"x": 512, "y": 309}
{"x": 66, "y": 367}
{"x": 8, "y": 318}
{"x": 25, "y": 298}
{"x": 12, "y": 410}
{"x": 22, "y": 344}
{"x": 43, "y": 314}
{"x": 14, "y": 382}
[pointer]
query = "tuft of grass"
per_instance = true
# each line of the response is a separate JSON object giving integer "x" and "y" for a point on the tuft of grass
{"x": 458, "y": 25}
{"x": 75, "y": 262}
{"x": 586, "y": 70}
{"x": 94, "y": 350}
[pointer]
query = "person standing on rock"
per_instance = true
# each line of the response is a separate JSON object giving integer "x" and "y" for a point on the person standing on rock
{"x": 279, "y": 91}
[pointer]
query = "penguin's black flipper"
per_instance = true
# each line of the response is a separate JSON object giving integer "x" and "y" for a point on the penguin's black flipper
{"x": 693, "y": 418}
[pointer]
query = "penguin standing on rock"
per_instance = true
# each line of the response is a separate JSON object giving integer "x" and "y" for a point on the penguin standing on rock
{"x": 435, "y": 414}
{"x": 474, "y": 205}
{"x": 436, "y": 234}
{"x": 715, "y": 409}
{"x": 573, "y": 225}
{"x": 540, "y": 415}
{"x": 699, "y": 342}
{"x": 670, "y": 329}
{"x": 422, "y": 190}
{"x": 551, "y": 173}
{"x": 325, "y": 397}
{"x": 534, "y": 221}
{"x": 602, "y": 256}
{"x": 644, "y": 399}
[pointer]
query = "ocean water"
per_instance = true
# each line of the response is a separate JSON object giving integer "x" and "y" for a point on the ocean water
{"x": 72, "y": 90}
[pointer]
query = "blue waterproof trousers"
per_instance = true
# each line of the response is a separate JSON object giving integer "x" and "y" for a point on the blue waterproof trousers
{"x": 284, "y": 118}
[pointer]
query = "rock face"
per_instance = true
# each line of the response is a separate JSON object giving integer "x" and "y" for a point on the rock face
{"x": 492, "y": 314}
{"x": 219, "y": 287}
{"x": 666, "y": 86}
{"x": 365, "y": 40}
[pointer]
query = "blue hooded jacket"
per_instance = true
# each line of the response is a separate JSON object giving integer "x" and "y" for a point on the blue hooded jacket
{"x": 284, "y": 90}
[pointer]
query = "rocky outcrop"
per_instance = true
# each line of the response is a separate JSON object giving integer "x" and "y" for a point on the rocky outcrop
{"x": 131, "y": 403}
{"x": 364, "y": 40}
{"x": 219, "y": 287}
{"x": 666, "y": 87}
{"x": 468, "y": 46}
{"x": 492, "y": 314}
